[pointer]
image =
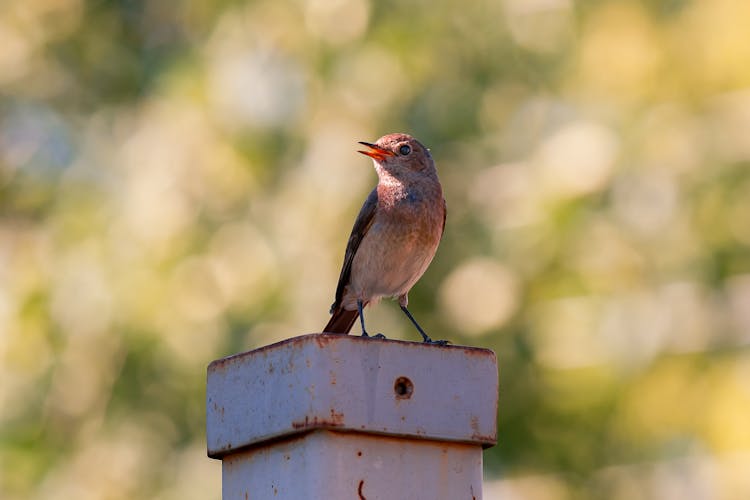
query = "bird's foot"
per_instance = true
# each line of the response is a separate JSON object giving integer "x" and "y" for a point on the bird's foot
{"x": 360, "y": 307}
{"x": 376, "y": 336}
{"x": 428, "y": 340}
{"x": 425, "y": 338}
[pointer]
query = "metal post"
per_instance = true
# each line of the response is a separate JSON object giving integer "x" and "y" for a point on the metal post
{"x": 343, "y": 417}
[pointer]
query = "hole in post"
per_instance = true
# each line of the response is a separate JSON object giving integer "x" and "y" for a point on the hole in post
{"x": 403, "y": 387}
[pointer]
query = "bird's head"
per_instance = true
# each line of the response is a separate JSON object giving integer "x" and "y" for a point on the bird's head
{"x": 399, "y": 155}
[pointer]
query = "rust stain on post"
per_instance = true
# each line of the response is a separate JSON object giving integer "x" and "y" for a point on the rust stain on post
{"x": 336, "y": 420}
{"x": 305, "y": 384}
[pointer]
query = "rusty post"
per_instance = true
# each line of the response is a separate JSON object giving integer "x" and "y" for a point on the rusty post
{"x": 342, "y": 417}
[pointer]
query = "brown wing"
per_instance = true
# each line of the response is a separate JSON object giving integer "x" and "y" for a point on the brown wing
{"x": 361, "y": 226}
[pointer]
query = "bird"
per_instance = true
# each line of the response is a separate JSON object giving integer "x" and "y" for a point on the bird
{"x": 395, "y": 236}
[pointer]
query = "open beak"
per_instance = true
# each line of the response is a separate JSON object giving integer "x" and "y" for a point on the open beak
{"x": 376, "y": 152}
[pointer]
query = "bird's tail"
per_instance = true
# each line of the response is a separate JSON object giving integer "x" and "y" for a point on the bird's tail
{"x": 341, "y": 321}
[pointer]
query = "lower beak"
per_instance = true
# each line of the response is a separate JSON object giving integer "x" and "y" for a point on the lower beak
{"x": 375, "y": 152}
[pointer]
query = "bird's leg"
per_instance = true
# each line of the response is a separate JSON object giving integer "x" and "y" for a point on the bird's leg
{"x": 360, "y": 308}
{"x": 425, "y": 338}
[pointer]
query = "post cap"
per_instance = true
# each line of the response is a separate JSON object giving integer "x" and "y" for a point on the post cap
{"x": 352, "y": 384}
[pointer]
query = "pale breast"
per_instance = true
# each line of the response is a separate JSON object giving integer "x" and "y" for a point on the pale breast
{"x": 397, "y": 250}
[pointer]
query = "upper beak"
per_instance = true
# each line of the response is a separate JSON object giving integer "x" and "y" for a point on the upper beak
{"x": 376, "y": 152}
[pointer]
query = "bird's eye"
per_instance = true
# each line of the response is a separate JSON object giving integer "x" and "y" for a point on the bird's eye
{"x": 404, "y": 150}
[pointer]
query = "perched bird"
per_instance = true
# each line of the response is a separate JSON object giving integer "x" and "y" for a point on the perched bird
{"x": 396, "y": 233}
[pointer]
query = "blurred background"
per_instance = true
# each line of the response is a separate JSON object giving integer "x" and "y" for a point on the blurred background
{"x": 178, "y": 181}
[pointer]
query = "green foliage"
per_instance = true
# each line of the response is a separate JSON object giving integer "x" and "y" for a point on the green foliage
{"x": 178, "y": 179}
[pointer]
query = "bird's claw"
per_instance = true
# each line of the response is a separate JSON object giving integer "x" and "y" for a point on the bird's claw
{"x": 428, "y": 340}
{"x": 376, "y": 336}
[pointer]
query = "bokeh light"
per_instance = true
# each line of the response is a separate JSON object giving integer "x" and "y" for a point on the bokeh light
{"x": 178, "y": 180}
